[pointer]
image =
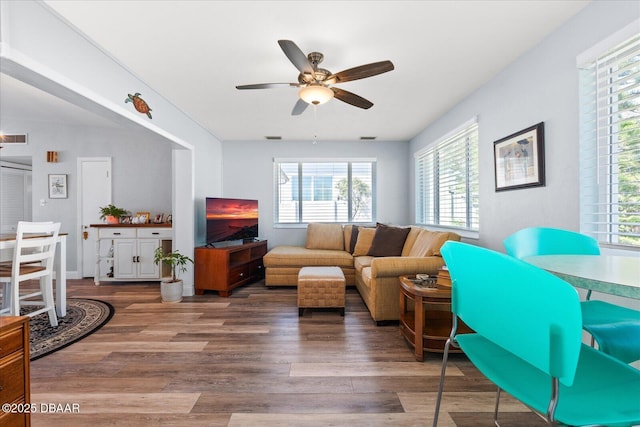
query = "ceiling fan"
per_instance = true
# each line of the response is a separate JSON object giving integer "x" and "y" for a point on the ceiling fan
{"x": 316, "y": 84}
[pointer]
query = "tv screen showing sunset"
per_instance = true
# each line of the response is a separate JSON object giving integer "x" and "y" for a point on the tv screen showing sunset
{"x": 231, "y": 219}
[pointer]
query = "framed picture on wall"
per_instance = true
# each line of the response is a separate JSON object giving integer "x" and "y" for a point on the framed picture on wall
{"x": 519, "y": 159}
{"x": 57, "y": 186}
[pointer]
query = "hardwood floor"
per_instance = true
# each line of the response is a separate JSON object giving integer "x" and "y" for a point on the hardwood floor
{"x": 249, "y": 360}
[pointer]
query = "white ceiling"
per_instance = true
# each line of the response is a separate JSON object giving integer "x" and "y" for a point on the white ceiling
{"x": 194, "y": 53}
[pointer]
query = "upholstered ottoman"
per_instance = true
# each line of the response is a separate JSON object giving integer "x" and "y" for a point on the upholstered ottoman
{"x": 321, "y": 287}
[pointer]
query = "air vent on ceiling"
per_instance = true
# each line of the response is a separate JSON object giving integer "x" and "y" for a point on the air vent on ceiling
{"x": 273, "y": 138}
{"x": 13, "y": 139}
{"x": 367, "y": 138}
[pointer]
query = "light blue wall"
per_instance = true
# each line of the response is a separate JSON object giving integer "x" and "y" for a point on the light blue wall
{"x": 248, "y": 173}
{"x": 41, "y": 49}
{"x": 541, "y": 86}
{"x": 136, "y": 187}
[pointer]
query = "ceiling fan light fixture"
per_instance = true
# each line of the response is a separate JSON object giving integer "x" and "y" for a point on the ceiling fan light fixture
{"x": 315, "y": 94}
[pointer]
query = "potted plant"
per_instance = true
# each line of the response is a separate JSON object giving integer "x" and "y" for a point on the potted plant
{"x": 111, "y": 214}
{"x": 171, "y": 287}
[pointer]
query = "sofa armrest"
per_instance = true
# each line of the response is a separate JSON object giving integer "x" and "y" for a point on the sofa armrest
{"x": 405, "y": 266}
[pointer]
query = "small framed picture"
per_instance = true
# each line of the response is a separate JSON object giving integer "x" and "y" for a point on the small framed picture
{"x": 58, "y": 186}
{"x": 519, "y": 159}
{"x": 142, "y": 217}
{"x": 169, "y": 219}
{"x": 125, "y": 219}
{"x": 159, "y": 219}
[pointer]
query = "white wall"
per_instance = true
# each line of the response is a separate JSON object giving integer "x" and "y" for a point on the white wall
{"x": 541, "y": 86}
{"x": 248, "y": 173}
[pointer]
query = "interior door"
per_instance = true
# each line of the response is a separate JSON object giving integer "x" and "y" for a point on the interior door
{"x": 94, "y": 191}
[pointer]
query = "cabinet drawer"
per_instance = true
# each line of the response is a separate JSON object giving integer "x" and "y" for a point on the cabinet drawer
{"x": 117, "y": 233}
{"x": 154, "y": 233}
{"x": 256, "y": 269}
{"x": 10, "y": 342}
{"x": 12, "y": 382}
{"x": 238, "y": 274}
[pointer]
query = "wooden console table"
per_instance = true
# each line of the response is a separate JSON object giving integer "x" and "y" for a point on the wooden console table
{"x": 425, "y": 317}
{"x": 14, "y": 365}
{"x": 223, "y": 269}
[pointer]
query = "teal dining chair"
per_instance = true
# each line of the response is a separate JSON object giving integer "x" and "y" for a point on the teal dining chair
{"x": 616, "y": 329}
{"x": 527, "y": 340}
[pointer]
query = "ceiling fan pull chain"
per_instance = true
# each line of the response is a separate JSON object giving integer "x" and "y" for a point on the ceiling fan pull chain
{"x": 315, "y": 124}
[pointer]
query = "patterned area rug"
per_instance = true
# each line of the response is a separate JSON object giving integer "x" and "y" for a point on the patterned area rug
{"x": 84, "y": 317}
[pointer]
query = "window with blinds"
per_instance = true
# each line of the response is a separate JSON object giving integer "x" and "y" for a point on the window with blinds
{"x": 610, "y": 146}
{"x": 447, "y": 180}
{"x": 324, "y": 191}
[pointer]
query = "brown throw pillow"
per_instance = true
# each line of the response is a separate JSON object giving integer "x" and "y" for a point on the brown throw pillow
{"x": 365, "y": 237}
{"x": 354, "y": 239}
{"x": 388, "y": 241}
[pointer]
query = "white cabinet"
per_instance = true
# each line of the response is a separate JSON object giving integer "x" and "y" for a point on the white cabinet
{"x": 126, "y": 253}
{"x": 133, "y": 259}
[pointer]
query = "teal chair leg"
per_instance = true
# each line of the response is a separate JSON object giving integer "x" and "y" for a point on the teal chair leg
{"x": 445, "y": 357}
{"x": 495, "y": 412}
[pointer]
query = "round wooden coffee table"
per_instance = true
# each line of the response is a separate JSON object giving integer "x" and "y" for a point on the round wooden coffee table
{"x": 425, "y": 317}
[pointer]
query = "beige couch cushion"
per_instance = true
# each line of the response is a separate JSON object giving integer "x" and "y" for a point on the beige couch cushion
{"x": 365, "y": 238}
{"x": 297, "y": 256}
{"x": 347, "y": 231}
{"x": 325, "y": 236}
{"x": 428, "y": 243}
{"x": 410, "y": 240}
{"x": 361, "y": 262}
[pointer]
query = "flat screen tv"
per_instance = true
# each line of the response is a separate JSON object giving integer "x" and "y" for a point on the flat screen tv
{"x": 231, "y": 221}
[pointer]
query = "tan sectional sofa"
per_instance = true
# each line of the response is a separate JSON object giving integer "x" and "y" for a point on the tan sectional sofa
{"x": 371, "y": 258}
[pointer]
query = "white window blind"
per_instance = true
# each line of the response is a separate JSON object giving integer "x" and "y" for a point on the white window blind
{"x": 15, "y": 198}
{"x": 447, "y": 180}
{"x": 610, "y": 146}
{"x": 324, "y": 191}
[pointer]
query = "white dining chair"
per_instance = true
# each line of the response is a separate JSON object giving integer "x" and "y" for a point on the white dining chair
{"x": 33, "y": 258}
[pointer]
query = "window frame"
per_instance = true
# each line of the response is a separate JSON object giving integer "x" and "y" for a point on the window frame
{"x": 428, "y": 208}
{"x": 600, "y": 144}
{"x": 301, "y": 162}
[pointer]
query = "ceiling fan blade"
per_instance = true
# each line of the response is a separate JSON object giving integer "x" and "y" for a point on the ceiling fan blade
{"x": 361, "y": 72}
{"x": 296, "y": 56}
{"x": 299, "y": 108}
{"x": 267, "y": 85}
{"x": 351, "y": 98}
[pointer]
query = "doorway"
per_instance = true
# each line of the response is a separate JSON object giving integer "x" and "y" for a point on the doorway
{"x": 94, "y": 191}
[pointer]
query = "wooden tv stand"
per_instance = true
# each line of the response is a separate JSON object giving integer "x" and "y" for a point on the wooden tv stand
{"x": 223, "y": 269}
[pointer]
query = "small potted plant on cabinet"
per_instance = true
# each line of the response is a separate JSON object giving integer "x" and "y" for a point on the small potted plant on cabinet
{"x": 111, "y": 214}
{"x": 171, "y": 287}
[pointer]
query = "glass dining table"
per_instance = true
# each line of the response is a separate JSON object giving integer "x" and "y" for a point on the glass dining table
{"x": 8, "y": 241}
{"x": 611, "y": 274}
